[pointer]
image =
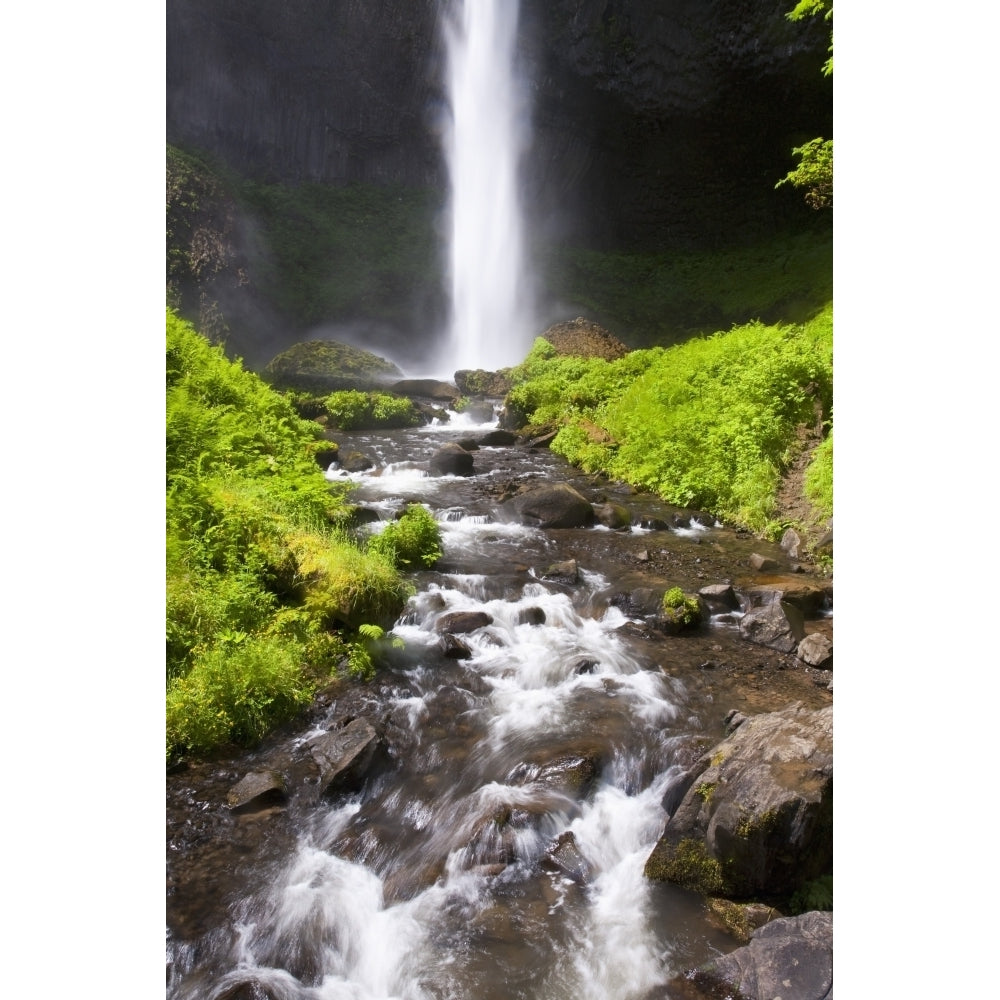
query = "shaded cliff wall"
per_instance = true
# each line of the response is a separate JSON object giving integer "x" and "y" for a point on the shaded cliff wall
{"x": 652, "y": 121}
{"x": 656, "y": 124}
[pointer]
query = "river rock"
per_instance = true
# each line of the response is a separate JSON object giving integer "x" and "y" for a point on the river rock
{"x": 756, "y": 818}
{"x": 554, "y": 506}
{"x": 257, "y": 790}
{"x": 719, "y": 598}
{"x": 497, "y": 439}
{"x": 462, "y": 622}
{"x": 451, "y": 459}
{"x": 791, "y": 543}
{"x": 533, "y": 615}
{"x": 613, "y": 515}
{"x": 454, "y": 648}
{"x": 356, "y": 461}
{"x": 817, "y": 651}
{"x": 790, "y": 958}
{"x": 763, "y": 564}
{"x": 426, "y": 388}
{"x": 566, "y": 572}
{"x": 325, "y": 457}
{"x": 478, "y": 382}
{"x": 564, "y": 857}
{"x": 345, "y": 756}
{"x": 570, "y": 769}
{"x": 777, "y": 625}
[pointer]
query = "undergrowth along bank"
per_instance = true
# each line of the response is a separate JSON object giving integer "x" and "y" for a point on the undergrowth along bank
{"x": 712, "y": 423}
{"x": 268, "y": 595}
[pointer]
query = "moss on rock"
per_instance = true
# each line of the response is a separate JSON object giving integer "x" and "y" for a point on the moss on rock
{"x": 322, "y": 366}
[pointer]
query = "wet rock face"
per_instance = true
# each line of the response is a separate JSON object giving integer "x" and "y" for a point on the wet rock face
{"x": 756, "y": 815}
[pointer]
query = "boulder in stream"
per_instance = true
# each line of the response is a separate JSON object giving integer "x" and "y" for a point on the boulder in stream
{"x": 816, "y": 650}
{"x": 257, "y": 790}
{"x": 615, "y": 516}
{"x": 557, "y": 505}
{"x": 756, "y": 816}
{"x": 790, "y": 958}
{"x": 451, "y": 459}
{"x": 463, "y": 622}
{"x": 778, "y": 625}
{"x": 564, "y": 857}
{"x": 345, "y": 756}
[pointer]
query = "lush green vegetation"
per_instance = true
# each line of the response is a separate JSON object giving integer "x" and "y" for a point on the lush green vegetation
{"x": 266, "y": 593}
{"x": 411, "y": 542}
{"x": 711, "y": 423}
{"x": 350, "y": 410}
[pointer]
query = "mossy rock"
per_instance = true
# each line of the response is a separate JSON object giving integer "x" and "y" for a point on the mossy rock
{"x": 586, "y": 339}
{"x": 323, "y": 366}
{"x": 688, "y": 865}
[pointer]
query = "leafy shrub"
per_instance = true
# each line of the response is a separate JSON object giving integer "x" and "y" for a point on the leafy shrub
{"x": 350, "y": 410}
{"x": 411, "y": 542}
{"x": 710, "y": 423}
{"x": 259, "y": 577}
{"x": 236, "y": 691}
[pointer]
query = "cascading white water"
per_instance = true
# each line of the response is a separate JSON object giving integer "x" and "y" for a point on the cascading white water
{"x": 490, "y": 295}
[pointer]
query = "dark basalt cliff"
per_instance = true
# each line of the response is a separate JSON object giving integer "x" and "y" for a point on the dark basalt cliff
{"x": 652, "y": 122}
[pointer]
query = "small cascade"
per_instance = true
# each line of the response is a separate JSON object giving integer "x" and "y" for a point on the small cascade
{"x": 532, "y": 741}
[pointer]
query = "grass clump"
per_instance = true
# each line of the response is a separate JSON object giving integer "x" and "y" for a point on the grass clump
{"x": 681, "y": 609}
{"x": 411, "y": 542}
{"x": 818, "y": 486}
{"x": 265, "y": 592}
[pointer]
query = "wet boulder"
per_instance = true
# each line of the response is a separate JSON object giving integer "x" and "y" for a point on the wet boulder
{"x": 533, "y": 615}
{"x": 451, "y": 460}
{"x": 566, "y": 572}
{"x": 816, "y": 651}
{"x": 497, "y": 439}
{"x": 778, "y": 625}
{"x": 570, "y": 769}
{"x": 346, "y": 756}
{"x": 719, "y": 598}
{"x": 763, "y": 564}
{"x": 478, "y": 382}
{"x": 426, "y": 388}
{"x": 325, "y": 457}
{"x": 790, "y": 957}
{"x": 756, "y": 818}
{"x": 564, "y": 858}
{"x": 454, "y": 648}
{"x": 257, "y": 790}
{"x": 463, "y": 622}
{"x": 613, "y": 515}
{"x": 557, "y": 505}
{"x": 356, "y": 461}
{"x": 791, "y": 543}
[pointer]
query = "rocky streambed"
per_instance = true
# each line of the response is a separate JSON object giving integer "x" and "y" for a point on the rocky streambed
{"x": 553, "y": 788}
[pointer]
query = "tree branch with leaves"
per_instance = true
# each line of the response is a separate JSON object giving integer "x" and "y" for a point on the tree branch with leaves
{"x": 814, "y": 173}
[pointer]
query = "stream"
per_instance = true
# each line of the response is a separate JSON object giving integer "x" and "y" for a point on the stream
{"x": 498, "y": 850}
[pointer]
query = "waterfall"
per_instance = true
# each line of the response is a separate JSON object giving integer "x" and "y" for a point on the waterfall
{"x": 490, "y": 299}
